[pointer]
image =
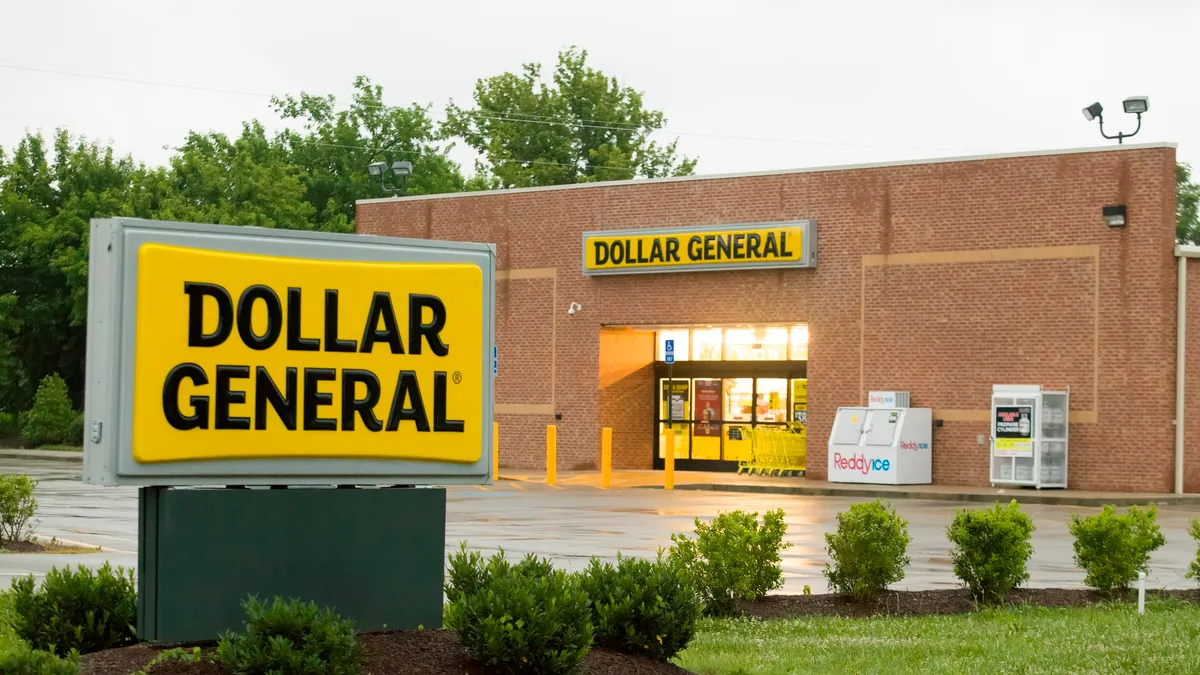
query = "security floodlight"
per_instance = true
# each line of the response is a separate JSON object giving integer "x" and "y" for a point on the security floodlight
{"x": 400, "y": 169}
{"x": 1136, "y": 104}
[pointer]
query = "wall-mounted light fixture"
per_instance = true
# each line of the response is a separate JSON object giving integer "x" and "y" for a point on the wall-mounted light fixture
{"x": 1114, "y": 215}
{"x": 575, "y": 307}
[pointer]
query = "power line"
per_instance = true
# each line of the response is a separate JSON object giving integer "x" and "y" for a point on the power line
{"x": 526, "y": 118}
{"x": 375, "y": 150}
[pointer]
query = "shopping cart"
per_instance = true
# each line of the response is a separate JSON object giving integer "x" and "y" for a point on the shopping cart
{"x": 776, "y": 451}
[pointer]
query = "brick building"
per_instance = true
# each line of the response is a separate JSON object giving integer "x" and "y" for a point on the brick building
{"x": 940, "y": 278}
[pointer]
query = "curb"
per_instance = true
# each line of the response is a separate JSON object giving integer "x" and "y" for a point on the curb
{"x": 52, "y": 455}
{"x": 1022, "y": 496}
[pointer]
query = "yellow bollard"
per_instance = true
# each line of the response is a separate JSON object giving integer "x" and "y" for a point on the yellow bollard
{"x": 551, "y": 454}
{"x": 495, "y": 451}
{"x": 669, "y": 461}
{"x": 606, "y": 457}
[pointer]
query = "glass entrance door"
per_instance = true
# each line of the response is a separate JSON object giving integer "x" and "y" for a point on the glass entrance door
{"x": 713, "y": 417}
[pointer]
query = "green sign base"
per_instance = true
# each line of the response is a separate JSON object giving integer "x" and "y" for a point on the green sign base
{"x": 375, "y": 555}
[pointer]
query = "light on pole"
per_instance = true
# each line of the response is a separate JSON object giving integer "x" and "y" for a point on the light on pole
{"x": 1134, "y": 105}
{"x": 401, "y": 170}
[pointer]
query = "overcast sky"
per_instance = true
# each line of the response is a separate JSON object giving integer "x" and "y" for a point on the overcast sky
{"x": 824, "y": 83}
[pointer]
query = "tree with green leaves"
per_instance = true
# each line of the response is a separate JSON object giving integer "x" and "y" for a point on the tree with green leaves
{"x": 333, "y": 147}
{"x": 584, "y": 126}
{"x": 246, "y": 181}
{"x": 47, "y": 198}
{"x": 1187, "y": 205}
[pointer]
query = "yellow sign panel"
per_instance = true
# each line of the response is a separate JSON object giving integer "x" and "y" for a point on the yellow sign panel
{"x": 243, "y": 356}
{"x": 695, "y": 248}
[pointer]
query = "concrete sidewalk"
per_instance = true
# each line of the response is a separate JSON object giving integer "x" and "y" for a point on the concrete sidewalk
{"x": 60, "y": 455}
{"x": 732, "y": 482}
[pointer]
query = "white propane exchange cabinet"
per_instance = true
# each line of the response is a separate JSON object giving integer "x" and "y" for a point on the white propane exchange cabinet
{"x": 1029, "y": 436}
{"x": 888, "y": 446}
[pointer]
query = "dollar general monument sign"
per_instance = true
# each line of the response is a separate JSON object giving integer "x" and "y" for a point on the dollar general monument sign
{"x": 222, "y": 355}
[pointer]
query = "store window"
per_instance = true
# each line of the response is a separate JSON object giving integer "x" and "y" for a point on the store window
{"x": 706, "y": 344}
{"x": 799, "y": 343}
{"x": 681, "y": 344}
{"x": 774, "y": 343}
{"x": 757, "y": 344}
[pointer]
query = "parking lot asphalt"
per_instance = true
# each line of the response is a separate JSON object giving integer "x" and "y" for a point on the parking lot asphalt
{"x": 572, "y": 524}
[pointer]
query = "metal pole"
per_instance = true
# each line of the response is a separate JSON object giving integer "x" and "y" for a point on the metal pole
{"x": 1180, "y": 368}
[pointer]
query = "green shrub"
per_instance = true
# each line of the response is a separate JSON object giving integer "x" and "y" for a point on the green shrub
{"x": 21, "y": 659}
{"x": 991, "y": 549}
{"x": 17, "y": 507}
{"x": 293, "y": 637}
{"x": 8, "y": 426}
{"x": 51, "y": 419}
{"x": 733, "y": 558}
{"x": 1194, "y": 568}
{"x": 523, "y": 618}
{"x": 83, "y": 609}
{"x": 1113, "y": 548}
{"x": 868, "y": 550}
{"x": 642, "y": 607}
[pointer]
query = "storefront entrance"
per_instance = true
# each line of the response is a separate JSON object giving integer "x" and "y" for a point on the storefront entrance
{"x": 746, "y": 408}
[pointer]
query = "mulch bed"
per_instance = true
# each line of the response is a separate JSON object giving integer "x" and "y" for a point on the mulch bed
{"x": 26, "y": 546}
{"x": 926, "y": 603}
{"x": 429, "y": 652}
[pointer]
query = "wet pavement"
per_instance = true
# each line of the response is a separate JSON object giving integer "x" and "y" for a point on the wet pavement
{"x": 571, "y": 524}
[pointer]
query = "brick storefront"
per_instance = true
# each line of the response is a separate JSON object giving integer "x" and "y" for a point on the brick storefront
{"x": 939, "y": 278}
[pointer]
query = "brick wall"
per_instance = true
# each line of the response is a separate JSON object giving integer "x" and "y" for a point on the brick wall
{"x": 940, "y": 279}
{"x": 626, "y": 392}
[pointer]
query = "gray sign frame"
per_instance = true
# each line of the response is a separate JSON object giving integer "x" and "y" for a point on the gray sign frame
{"x": 808, "y": 254}
{"x": 112, "y": 314}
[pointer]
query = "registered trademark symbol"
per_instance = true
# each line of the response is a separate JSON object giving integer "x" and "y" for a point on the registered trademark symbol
{"x": 457, "y": 377}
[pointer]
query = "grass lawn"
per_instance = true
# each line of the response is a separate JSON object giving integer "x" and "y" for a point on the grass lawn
{"x": 1104, "y": 639}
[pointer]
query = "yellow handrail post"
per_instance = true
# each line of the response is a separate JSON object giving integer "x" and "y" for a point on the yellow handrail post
{"x": 669, "y": 461}
{"x": 606, "y": 457}
{"x": 495, "y": 451}
{"x": 551, "y": 454}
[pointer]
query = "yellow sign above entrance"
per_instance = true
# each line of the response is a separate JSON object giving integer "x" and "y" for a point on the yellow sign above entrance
{"x": 722, "y": 247}
{"x": 243, "y": 356}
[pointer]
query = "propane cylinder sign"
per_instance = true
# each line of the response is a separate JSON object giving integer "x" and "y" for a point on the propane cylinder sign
{"x": 1014, "y": 431}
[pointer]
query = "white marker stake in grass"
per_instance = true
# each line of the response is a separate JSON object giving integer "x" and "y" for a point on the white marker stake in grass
{"x": 1141, "y": 592}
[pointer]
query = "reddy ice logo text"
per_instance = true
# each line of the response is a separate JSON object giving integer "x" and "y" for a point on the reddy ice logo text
{"x": 860, "y": 463}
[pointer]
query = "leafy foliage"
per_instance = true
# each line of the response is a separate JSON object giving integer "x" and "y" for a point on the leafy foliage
{"x": 81, "y": 610}
{"x": 869, "y": 550}
{"x": 583, "y": 127}
{"x": 1111, "y": 549}
{"x": 51, "y": 419}
{"x": 523, "y": 618}
{"x": 294, "y": 637}
{"x": 17, "y": 507}
{"x": 21, "y": 659}
{"x": 332, "y": 149}
{"x": 1194, "y": 568}
{"x": 733, "y": 558}
{"x": 307, "y": 176}
{"x": 991, "y": 549}
{"x": 642, "y": 607}
{"x": 1187, "y": 206}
